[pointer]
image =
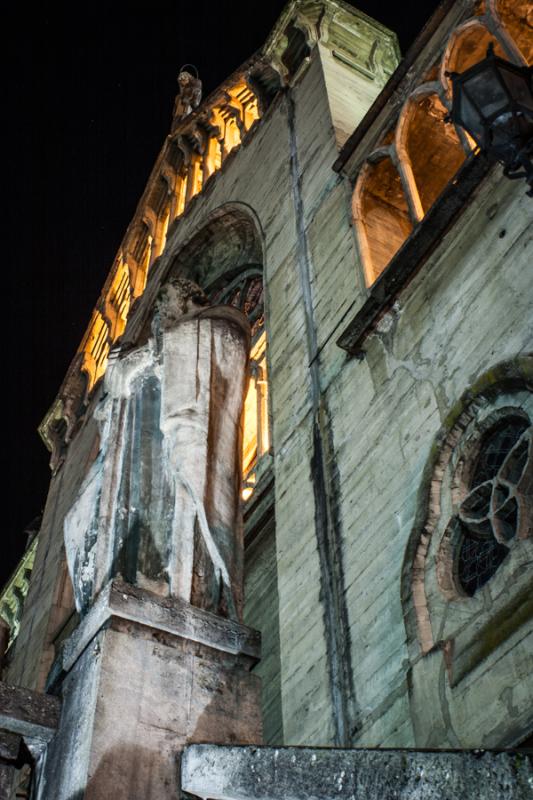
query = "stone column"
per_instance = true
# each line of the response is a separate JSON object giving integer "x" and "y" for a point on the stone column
{"x": 154, "y": 545}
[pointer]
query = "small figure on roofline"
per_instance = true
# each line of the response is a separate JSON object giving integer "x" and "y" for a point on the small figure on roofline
{"x": 190, "y": 93}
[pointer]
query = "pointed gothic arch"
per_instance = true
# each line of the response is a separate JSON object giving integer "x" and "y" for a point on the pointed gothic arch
{"x": 381, "y": 213}
{"x": 428, "y": 147}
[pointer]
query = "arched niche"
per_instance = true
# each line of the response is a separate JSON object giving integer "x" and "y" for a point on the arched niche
{"x": 516, "y": 16}
{"x": 467, "y": 46}
{"x": 297, "y": 49}
{"x": 428, "y": 147}
{"x": 381, "y": 215}
{"x": 229, "y": 241}
{"x": 243, "y": 290}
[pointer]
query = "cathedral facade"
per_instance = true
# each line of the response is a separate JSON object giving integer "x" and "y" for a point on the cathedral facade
{"x": 303, "y": 407}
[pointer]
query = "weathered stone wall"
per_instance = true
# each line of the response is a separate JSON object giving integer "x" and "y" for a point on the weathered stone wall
{"x": 351, "y": 441}
{"x": 313, "y": 687}
{"x": 262, "y": 614}
{"x": 468, "y": 309}
{"x": 49, "y": 602}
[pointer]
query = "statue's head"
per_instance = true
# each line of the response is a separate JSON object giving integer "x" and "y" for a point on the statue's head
{"x": 178, "y": 297}
{"x": 185, "y": 78}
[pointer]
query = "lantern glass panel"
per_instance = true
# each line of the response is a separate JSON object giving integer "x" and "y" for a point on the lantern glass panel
{"x": 471, "y": 119}
{"x": 487, "y": 92}
{"x": 517, "y": 86}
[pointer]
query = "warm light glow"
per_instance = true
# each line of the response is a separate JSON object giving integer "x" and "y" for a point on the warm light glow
{"x": 471, "y": 141}
{"x": 426, "y": 148}
{"x": 256, "y": 434}
{"x": 181, "y": 193}
{"x": 517, "y": 17}
{"x": 247, "y": 492}
{"x": 232, "y": 135}
{"x": 144, "y": 266}
{"x": 163, "y": 229}
{"x": 251, "y": 112}
{"x": 96, "y": 348}
{"x": 381, "y": 216}
{"x": 468, "y": 46}
{"x": 231, "y": 118}
{"x": 149, "y": 251}
{"x": 195, "y": 175}
{"x": 429, "y": 148}
{"x": 118, "y": 302}
{"x": 249, "y": 441}
{"x": 213, "y": 159}
{"x": 246, "y": 102}
{"x": 224, "y": 119}
{"x": 139, "y": 262}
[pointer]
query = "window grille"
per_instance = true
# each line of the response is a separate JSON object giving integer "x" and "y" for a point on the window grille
{"x": 488, "y": 517}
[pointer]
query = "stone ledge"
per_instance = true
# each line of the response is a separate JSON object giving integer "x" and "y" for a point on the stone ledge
{"x": 123, "y": 601}
{"x": 32, "y": 715}
{"x": 294, "y": 773}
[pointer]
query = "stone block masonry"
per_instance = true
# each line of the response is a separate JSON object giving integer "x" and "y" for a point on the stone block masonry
{"x": 302, "y": 773}
{"x": 140, "y": 677}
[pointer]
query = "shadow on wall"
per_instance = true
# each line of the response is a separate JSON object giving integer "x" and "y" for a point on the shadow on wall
{"x": 131, "y": 773}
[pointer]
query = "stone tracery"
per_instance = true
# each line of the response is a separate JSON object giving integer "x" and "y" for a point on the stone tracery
{"x": 496, "y": 509}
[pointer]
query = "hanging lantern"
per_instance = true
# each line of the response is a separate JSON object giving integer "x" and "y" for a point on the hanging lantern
{"x": 493, "y": 102}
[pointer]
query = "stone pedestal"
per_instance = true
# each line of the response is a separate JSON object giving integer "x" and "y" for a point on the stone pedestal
{"x": 141, "y": 677}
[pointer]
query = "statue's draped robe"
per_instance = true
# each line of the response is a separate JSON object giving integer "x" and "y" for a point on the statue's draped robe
{"x": 160, "y": 505}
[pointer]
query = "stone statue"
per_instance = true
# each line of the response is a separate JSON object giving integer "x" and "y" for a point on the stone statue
{"x": 160, "y": 506}
{"x": 189, "y": 96}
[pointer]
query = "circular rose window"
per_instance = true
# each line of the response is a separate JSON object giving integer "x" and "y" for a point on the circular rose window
{"x": 498, "y": 504}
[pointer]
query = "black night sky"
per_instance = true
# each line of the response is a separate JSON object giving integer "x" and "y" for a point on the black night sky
{"x": 88, "y": 97}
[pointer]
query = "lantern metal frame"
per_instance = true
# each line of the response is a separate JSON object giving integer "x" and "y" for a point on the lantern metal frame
{"x": 506, "y": 133}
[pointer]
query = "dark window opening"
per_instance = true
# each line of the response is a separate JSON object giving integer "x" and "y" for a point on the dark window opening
{"x": 297, "y": 49}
